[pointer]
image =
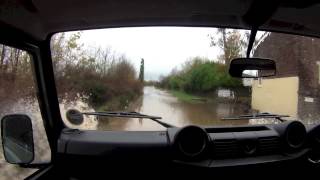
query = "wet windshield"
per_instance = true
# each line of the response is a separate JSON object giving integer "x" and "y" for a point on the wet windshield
{"x": 181, "y": 75}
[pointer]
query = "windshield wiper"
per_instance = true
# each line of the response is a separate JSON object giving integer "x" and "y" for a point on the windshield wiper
{"x": 129, "y": 115}
{"x": 258, "y": 116}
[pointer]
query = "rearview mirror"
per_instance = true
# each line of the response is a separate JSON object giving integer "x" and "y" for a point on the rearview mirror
{"x": 252, "y": 68}
{"x": 17, "y": 139}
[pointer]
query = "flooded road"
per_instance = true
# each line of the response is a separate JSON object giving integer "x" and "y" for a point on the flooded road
{"x": 161, "y": 103}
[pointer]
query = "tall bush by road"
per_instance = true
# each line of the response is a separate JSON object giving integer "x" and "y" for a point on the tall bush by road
{"x": 200, "y": 75}
{"x": 107, "y": 80}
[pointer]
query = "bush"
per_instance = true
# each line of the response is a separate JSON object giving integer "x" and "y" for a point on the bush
{"x": 119, "y": 83}
{"x": 106, "y": 79}
{"x": 200, "y": 75}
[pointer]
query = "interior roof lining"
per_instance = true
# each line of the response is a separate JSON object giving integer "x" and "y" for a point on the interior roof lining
{"x": 43, "y": 21}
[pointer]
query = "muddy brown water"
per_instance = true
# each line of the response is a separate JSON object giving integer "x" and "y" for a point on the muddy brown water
{"x": 158, "y": 102}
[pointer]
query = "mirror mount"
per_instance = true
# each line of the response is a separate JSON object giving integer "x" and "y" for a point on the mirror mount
{"x": 252, "y": 38}
{"x": 35, "y": 165}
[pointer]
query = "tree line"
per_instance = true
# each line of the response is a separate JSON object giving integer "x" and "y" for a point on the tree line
{"x": 108, "y": 80}
{"x": 15, "y": 74}
{"x": 102, "y": 77}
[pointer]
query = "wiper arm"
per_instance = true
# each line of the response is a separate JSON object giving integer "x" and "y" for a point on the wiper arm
{"x": 129, "y": 115}
{"x": 258, "y": 116}
{"x": 121, "y": 114}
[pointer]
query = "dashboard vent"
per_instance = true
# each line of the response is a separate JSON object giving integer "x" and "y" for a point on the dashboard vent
{"x": 230, "y": 148}
{"x": 225, "y": 148}
{"x": 269, "y": 145}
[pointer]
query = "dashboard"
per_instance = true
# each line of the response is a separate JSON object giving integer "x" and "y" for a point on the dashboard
{"x": 235, "y": 146}
{"x": 206, "y": 147}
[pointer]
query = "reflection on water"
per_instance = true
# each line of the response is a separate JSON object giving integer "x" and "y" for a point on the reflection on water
{"x": 160, "y": 103}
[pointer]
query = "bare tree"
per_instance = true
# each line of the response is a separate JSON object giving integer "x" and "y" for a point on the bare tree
{"x": 231, "y": 42}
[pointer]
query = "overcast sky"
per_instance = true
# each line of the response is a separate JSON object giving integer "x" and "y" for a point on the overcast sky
{"x": 162, "y": 48}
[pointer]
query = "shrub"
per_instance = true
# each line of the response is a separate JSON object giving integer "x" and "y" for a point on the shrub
{"x": 103, "y": 77}
{"x": 200, "y": 75}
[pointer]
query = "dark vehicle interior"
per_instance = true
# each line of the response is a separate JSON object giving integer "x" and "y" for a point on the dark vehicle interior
{"x": 287, "y": 147}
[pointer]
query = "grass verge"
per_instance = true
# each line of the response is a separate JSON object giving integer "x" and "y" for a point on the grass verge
{"x": 183, "y": 96}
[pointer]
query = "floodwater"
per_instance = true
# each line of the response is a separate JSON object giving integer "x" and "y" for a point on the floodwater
{"x": 157, "y": 102}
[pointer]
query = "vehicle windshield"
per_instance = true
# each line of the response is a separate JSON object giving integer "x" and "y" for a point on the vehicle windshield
{"x": 181, "y": 75}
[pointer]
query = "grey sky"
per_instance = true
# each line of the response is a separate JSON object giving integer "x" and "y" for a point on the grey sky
{"x": 163, "y": 48}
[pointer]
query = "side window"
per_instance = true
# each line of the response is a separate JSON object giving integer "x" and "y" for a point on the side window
{"x": 18, "y": 96}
